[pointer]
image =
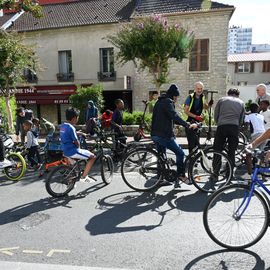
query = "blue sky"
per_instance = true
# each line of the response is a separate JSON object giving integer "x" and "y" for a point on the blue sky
{"x": 252, "y": 13}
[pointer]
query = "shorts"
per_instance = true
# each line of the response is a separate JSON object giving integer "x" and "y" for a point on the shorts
{"x": 82, "y": 154}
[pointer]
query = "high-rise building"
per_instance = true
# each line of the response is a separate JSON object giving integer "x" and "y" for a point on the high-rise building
{"x": 260, "y": 48}
{"x": 239, "y": 39}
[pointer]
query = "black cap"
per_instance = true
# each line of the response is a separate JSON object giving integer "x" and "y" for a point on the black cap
{"x": 173, "y": 91}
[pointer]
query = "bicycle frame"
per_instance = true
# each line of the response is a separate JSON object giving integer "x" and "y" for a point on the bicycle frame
{"x": 254, "y": 181}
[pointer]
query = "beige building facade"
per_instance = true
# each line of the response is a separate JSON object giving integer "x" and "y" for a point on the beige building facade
{"x": 74, "y": 53}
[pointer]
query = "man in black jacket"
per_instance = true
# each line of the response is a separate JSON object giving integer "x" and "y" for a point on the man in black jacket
{"x": 163, "y": 120}
{"x": 22, "y": 115}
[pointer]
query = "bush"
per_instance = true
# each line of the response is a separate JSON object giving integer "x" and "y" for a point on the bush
{"x": 135, "y": 118}
{"x": 83, "y": 94}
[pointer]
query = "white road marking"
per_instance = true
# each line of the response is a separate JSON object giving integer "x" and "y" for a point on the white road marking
{"x": 27, "y": 251}
{"x": 52, "y": 251}
{"x": 7, "y": 251}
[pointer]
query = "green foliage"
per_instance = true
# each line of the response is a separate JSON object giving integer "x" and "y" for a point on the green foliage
{"x": 83, "y": 94}
{"x": 14, "y": 57}
{"x": 247, "y": 105}
{"x": 26, "y": 5}
{"x": 4, "y": 110}
{"x": 135, "y": 118}
{"x": 151, "y": 43}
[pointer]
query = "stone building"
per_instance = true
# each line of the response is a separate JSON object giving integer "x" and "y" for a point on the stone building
{"x": 72, "y": 48}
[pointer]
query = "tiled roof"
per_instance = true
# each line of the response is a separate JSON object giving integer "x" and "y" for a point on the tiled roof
{"x": 146, "y": 7}
{"x": 249, "y": 57}
{"x": 84, "y": 12}
{"x": 87, "y": 12}
{"x": 5, "y": 18}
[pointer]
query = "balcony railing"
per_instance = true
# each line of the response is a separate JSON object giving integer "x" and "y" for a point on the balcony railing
{"x": 106, "y": 76}
{"x": 31, "y": 78}
{"x": 65, "y": 77}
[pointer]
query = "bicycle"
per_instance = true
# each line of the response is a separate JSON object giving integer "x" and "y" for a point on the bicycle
{"x": 143, "y": 125}
{"x": 16, "y": 171}
{"x": 143, "y": 169}
{"x": 237, "y": 216}
{"x": 61, "y": 179}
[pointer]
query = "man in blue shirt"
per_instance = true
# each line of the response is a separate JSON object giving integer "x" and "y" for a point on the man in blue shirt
{"x": 70, "y": 143}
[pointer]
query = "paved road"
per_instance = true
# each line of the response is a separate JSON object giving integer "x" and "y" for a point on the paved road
{"x": 111, "y": 227}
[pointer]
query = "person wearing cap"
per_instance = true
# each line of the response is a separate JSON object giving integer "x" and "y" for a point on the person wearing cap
{"x": 91, "y": 111}
{"x": 163, "y": 119}
{"x": 193, "y": 108}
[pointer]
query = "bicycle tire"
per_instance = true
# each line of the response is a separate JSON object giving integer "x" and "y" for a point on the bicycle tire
{"x": 141, "y": 169}
{"x": 18, "y": 168}
{"x": 107, "y": 169}
{"x": 62, "y": 176}
{"x": 225, "y": 227}
{"x": 201, "y": 170}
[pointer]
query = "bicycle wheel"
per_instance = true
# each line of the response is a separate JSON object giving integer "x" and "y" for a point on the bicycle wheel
{"x": 209, "y": 170}
{"x": 61, "y": 180}
{"x": 16, "y": 171}
{"x": 141, "y": 169}
{"x": 107, "y": 169}
{"x": 233, "y": 222}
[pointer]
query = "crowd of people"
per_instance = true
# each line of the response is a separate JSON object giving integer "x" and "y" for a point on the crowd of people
{"x": 229, "y": 116}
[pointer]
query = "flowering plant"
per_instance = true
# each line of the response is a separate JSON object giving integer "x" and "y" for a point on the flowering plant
{"x": 151, "y": 43}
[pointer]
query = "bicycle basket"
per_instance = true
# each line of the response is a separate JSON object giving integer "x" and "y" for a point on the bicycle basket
{"x": 54, "y": 155}
{"x": 7, "y": 141}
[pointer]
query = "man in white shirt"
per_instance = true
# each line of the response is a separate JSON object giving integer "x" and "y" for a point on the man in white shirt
{"x": 264, "y": 105}
{"x": 256, "y": 123}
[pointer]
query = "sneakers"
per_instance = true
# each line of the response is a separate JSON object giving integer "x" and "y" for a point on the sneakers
{"x": 87, "y": 179}
{"x": 185, "y": 180}
{"x": 5, "y": 163}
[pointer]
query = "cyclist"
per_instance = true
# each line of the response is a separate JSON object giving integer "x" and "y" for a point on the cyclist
{"x": 194, "y": 105}
{"x": 70, "y": 143}
{"x": 163, "y": 119}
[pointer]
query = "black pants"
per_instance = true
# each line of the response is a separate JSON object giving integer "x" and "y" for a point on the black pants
{"x": 2, "y": 150}
{"x": 33, "y": 152}
{"x": 192, "y": 138}
{"x": 229, "y": 134}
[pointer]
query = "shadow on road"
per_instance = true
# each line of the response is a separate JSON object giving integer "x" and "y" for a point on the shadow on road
{"x": 193, "y": 202}
{"x": 25, "y": 210}
{"x": 123, "y": 206}
{"x": 227, "y": 260}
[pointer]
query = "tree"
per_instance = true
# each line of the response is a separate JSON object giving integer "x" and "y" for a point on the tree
{"x": 14, "y": 57}
{"x": 80, "y": 99}
{"x": 26, "y": 5}
{"x": 150, "y": 44}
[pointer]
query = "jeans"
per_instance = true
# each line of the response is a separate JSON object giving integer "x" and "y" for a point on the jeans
{"x": 34, "y": 152}
{"x": 170, "y": 143}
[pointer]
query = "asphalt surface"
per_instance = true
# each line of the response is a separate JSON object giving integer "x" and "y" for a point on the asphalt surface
{"x": 112, "y": 227}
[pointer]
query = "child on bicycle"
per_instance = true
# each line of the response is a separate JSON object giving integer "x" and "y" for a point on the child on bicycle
{"x": 32, "y": 145}
{"x": 70, "y": 143}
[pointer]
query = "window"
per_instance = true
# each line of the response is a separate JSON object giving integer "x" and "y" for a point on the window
{"x": 65, "y": 67}
{"x": 30, "y": 76}
{"x": 266, "y": 66}
{"x": 106, "y": 64}
{"x": 65, "y": 61}
{"x": 244, "y": 67}
{"x": 199, "y": 59}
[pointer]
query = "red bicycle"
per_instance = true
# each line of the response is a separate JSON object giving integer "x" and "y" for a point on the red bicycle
{"x": 143, "y": 125}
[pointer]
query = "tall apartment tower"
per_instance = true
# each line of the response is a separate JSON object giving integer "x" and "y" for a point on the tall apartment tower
{"x": 239, "y": 39}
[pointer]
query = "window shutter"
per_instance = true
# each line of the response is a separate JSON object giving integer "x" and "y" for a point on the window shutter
{"x": 236, "y": 68}
{"x": 251, "y": 67}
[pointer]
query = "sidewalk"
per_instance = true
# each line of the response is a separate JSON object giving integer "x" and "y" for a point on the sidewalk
{"x": 180, "y": 140}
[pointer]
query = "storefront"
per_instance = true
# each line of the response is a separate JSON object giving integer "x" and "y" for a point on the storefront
{"x": 49, "y": 102}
